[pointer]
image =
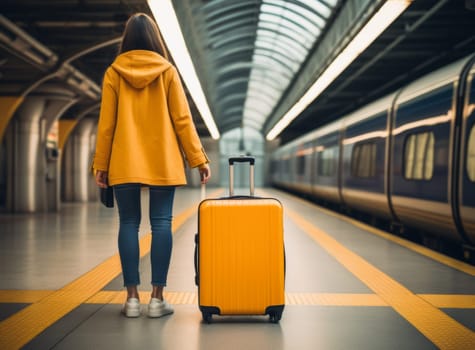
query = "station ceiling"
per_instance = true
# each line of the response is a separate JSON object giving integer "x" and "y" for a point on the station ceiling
{"x": 254, "y": 58}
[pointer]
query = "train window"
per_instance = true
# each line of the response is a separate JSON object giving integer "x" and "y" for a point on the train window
{"x": 471, "y": 155}
{"x": 419, "y": 156}
{"x": 286, "y": 166}
{"x": 363, "y": 160}
{"x": 301, "y": 165}
{"x": 274, "y": 166}
{"x": 326, "y": 161}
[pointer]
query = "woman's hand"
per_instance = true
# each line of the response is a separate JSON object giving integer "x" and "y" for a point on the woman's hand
{"x": 101, "y": 178}
{"x": 205, "y": 173}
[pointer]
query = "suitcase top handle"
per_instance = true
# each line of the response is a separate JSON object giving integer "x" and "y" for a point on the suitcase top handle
{"x": 250, "y": 160}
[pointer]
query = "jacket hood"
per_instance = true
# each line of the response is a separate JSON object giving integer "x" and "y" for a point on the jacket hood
{"x": 140, "y": 67}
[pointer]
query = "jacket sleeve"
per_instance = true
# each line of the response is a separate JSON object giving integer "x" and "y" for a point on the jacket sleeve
{"x": 183, "y": 123}
{"x": 107, "y": 122}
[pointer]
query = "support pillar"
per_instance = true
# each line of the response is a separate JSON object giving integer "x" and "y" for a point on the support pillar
{"x": 77, "y": 161}
{"x": 27, "y": 183}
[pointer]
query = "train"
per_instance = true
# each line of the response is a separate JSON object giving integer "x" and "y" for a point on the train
{"x": 407, "y": 159}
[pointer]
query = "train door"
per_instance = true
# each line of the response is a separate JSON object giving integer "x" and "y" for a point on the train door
{"x": 3, "y": 174}
{"x": 303, "y": 167}
{"x": 421, "y": 159}
{"x": 326, "y": 178}
{"x": 466, "y": 179}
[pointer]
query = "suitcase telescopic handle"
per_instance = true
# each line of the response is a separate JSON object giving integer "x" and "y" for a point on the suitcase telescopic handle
{"x": 249, "y": 160}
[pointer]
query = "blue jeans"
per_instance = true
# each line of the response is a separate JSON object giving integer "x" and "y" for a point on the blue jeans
{"x": 130, "y": 214}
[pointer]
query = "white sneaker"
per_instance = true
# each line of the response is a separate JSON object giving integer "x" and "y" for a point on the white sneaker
{"x": 131, "y": 308}
{"x": 158, "y": 308}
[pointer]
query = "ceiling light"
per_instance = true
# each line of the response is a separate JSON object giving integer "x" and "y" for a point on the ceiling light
{"x": 170, "y": 29}
{"x": 375, "y": 26}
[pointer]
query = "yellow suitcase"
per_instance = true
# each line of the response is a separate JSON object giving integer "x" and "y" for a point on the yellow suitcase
{"x": 239, "y": 255}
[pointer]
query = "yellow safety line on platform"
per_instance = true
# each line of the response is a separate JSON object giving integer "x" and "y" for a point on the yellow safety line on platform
{"x": 23, "y": 296}
{"x": 23, "y": 326}
{"x": 441, "y": 258}
{"x": 448, "y": 301}
{"x": 438, "y": 327}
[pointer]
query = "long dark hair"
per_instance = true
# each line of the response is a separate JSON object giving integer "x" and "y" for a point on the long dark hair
{"x": 141, "y": 33}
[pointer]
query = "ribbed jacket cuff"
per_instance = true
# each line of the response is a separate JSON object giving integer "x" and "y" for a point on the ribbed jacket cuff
{"x": 198, "y": 159}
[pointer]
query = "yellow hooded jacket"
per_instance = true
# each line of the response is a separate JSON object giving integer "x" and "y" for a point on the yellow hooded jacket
{"x": 145, "y": 123}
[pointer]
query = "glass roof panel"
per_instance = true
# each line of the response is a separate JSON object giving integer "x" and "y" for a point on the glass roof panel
{"x": 272, "y": 89}
{"x": 318, "y": 18}
{"x": 285, "y": 45}
{"x": 324, "y": 7}
{"x": 224, "y": 24}
{"x": 288, "y": 35}
{"x": 294, "y": 13}
{"x": 254, "y": 50}
{"x": 280, "y": 48}
{"x": 286, "y": 32}
{"x": 288, "y": 25}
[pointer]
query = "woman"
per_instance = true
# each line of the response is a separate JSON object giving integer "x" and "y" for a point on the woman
{"x": 144, "y": 128}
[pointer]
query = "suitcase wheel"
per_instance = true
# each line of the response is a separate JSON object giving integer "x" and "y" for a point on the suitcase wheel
{"x": 275, "y": 313}
{"x": 207, "y": 317}
{"x": 275, "y": 317}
